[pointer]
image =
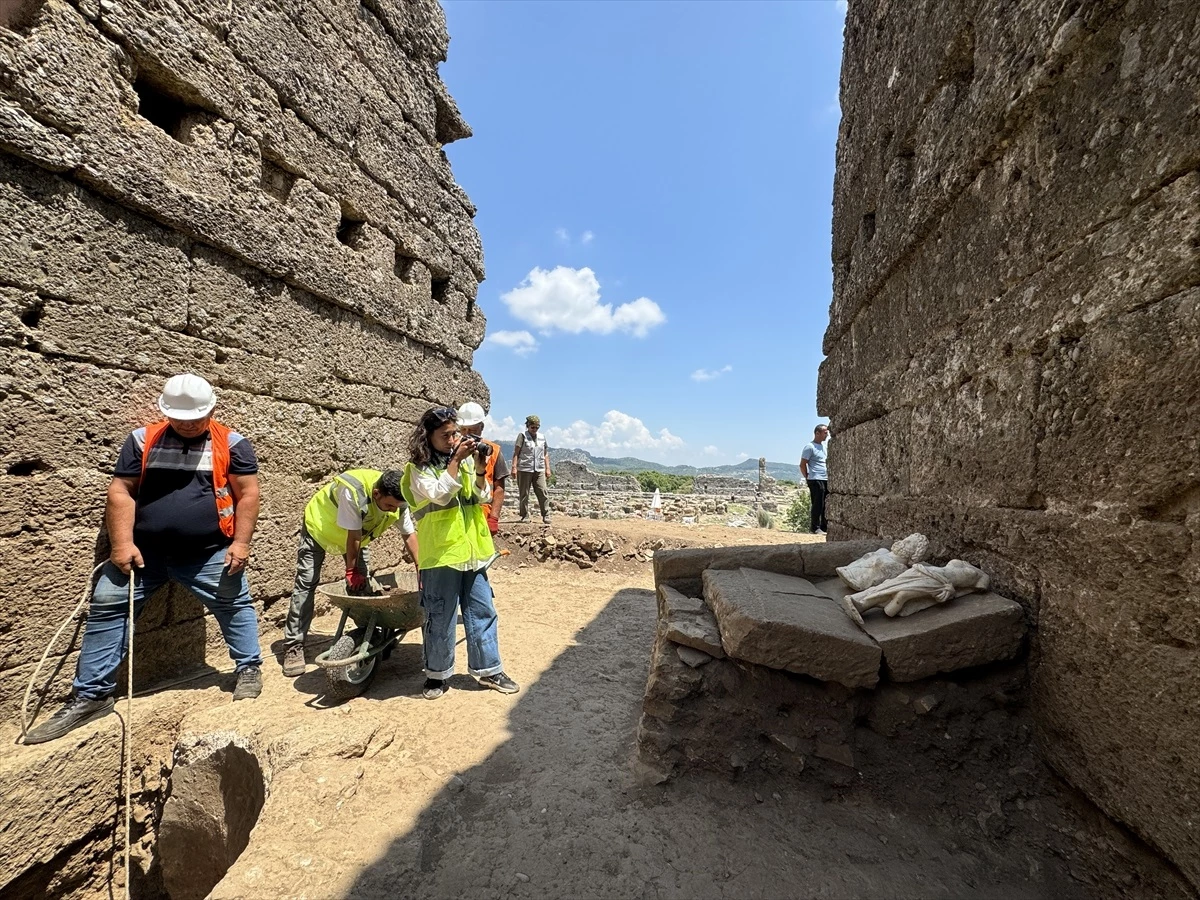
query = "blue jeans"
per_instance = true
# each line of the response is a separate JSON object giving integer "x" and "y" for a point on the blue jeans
{"x": 443, "y": 592}
{"x": 105, "y": 638}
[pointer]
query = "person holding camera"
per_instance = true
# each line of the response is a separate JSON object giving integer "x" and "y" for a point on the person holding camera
{"x": 446, "y": 488}
{"x": 470, "y": 424}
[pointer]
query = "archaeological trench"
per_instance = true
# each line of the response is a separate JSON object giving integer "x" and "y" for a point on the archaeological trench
{"x": 256, "y": 191}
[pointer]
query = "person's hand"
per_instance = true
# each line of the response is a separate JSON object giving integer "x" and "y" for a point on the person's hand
{"x": 466, "y": 446}
{"x": 355, "y": 579}
{"x": 493, "y": 523}
{"x": 125, "y": 558}
{"x": 237, "y": 556}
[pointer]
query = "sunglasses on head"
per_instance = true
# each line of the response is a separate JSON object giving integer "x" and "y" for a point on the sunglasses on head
{"x": 444, "y": 414}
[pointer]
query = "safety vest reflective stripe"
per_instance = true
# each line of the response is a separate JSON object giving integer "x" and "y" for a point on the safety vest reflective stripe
{"x": 432, "y": 507}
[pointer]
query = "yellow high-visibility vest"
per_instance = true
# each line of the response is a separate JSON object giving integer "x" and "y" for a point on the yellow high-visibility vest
{"x": 453, "y": 532}
{"x": 320, "y": 515}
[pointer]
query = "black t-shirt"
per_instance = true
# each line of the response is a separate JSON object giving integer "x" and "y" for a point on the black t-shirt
{"x": 176, "y": 508}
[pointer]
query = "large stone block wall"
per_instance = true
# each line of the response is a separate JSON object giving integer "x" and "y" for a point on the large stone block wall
{"x": 254, "y": 191}
{"x": 1014, "y": 352}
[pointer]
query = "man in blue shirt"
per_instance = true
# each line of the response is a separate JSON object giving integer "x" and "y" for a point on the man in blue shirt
{"x": 813, "y": 470}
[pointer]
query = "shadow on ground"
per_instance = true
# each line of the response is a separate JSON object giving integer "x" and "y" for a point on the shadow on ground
{"x": 556, "y": 812}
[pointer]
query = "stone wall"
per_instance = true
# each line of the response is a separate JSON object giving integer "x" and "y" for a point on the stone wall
{"x": 254, "y": 191}
{"x": 579, "y": 477}
{"x": 1013, "y": 354}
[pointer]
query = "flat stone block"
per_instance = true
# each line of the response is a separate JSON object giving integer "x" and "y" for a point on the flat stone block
{"x": 687, "y": 621}
{"x": 967, "y": 631}
{"x": 787, "y": 623}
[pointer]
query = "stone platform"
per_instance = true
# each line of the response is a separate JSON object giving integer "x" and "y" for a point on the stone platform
{"x": 755, "y": 660}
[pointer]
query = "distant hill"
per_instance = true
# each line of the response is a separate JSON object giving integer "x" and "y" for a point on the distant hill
{"x": 747, "y": 469}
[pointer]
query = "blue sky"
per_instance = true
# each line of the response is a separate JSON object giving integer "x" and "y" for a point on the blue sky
{"x": 654, "y": 184}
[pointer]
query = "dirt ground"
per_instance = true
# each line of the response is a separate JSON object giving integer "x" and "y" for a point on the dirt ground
{"x": 482, "y": 795}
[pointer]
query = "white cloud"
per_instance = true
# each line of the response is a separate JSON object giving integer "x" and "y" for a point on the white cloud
{"x": 504, "y": 430}
{"x": 586, "y": 237}
{"x": 710, "y": 374}
{"x": 618, "y": 433}
{"x": 842, "y": 6}
{"x": 521, "y": 343}
{"x": 562, "y": 235}
{"x": 710, "y": 450}
{"x": 566, "y": 299}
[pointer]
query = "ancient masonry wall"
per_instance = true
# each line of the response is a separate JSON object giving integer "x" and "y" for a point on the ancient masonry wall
{"x": 1014, "y": 352}
{"x": 254, "y": 191}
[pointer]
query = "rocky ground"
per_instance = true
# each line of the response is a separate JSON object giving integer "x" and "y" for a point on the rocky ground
{"x": 534, "y": 795}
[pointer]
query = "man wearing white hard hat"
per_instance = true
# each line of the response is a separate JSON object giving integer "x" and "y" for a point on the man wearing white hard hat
{"x": 182, "y": 506}
{"x": 470, "y": 422}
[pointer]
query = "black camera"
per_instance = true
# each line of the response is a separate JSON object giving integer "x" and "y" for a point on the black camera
{"x": 484, "y": 449}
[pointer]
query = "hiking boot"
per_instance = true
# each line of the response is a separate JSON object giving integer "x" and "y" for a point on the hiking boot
{"x": 524, "y": 520}
{"x": 293, "y": 660}
{"x": 76, "y": 712}
{"x": 249, "y": 683}
{"x": 545, "y": 520}
{"x": 499, "y": 682}
{"x": 433, "y": 688}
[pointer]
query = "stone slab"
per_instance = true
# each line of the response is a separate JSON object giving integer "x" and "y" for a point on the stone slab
{"x": 969, "y": 631}
{"x": 799, "y": 631}
{"x": 687, "y": 621}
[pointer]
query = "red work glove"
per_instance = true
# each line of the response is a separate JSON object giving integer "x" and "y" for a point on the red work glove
{"x": 493, "y": 524}
{"x": 355, "y": 580}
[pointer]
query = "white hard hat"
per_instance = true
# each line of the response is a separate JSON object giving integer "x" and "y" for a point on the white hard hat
{"x": 470, "y": 414}
{"x": 186, "y": 397}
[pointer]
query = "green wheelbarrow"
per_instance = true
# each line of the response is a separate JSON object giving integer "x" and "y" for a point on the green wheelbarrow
{"x": 381, "y": 618}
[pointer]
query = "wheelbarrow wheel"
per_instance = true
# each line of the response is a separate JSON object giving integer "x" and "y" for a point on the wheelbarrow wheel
{"x": 345, "y": 682}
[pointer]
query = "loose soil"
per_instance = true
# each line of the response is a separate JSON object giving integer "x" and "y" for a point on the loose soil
{"x": 483, "y": 795}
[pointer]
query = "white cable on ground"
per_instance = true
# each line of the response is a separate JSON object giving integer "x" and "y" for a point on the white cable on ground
{"x": 87, "y": 593}
{"x": 127, "y": 724}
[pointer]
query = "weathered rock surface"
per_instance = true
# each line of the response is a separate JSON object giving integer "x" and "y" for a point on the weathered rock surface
{"x": 786, "y": 623}
{"x": 253, "y": 191}
{"x": 688, "y": 621}
{"x": 968, "y": 631}
{"x": 1016, "y": 281}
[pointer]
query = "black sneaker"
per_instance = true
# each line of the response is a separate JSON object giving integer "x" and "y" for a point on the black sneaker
{"x": 293, "y": 660}
{"x": 76, "y": 712}
{"x": 249, "y": 683}
{"x": 433, "y": 689}
{"x": 500, "y": 682}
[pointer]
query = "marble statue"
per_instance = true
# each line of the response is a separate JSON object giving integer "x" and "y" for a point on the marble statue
{"x": 919, "y": 588}
{"x": 878, "y": 566}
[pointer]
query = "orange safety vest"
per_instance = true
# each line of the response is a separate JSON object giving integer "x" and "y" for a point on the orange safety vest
{"x": 219, "y": 438}
{"x": 490, "y": 468}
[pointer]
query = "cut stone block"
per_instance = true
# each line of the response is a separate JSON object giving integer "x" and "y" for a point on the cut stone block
{"x": 787, "y": 623}
{"x": 969, "y": 631}
{"x": 687, "y": 621}
{"x": 694, "y": 658}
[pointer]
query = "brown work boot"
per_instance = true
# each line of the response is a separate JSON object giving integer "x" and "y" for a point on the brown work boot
{"x": 293, "y": 660}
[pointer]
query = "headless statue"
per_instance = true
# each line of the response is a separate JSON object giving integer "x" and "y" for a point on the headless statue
{"x": 919, "y": 588}
{"x": 878, "y": 566}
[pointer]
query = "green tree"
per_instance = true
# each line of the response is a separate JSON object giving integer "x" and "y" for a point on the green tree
{"x": 665, "y": 482}
{"x": 798, "y": 515}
